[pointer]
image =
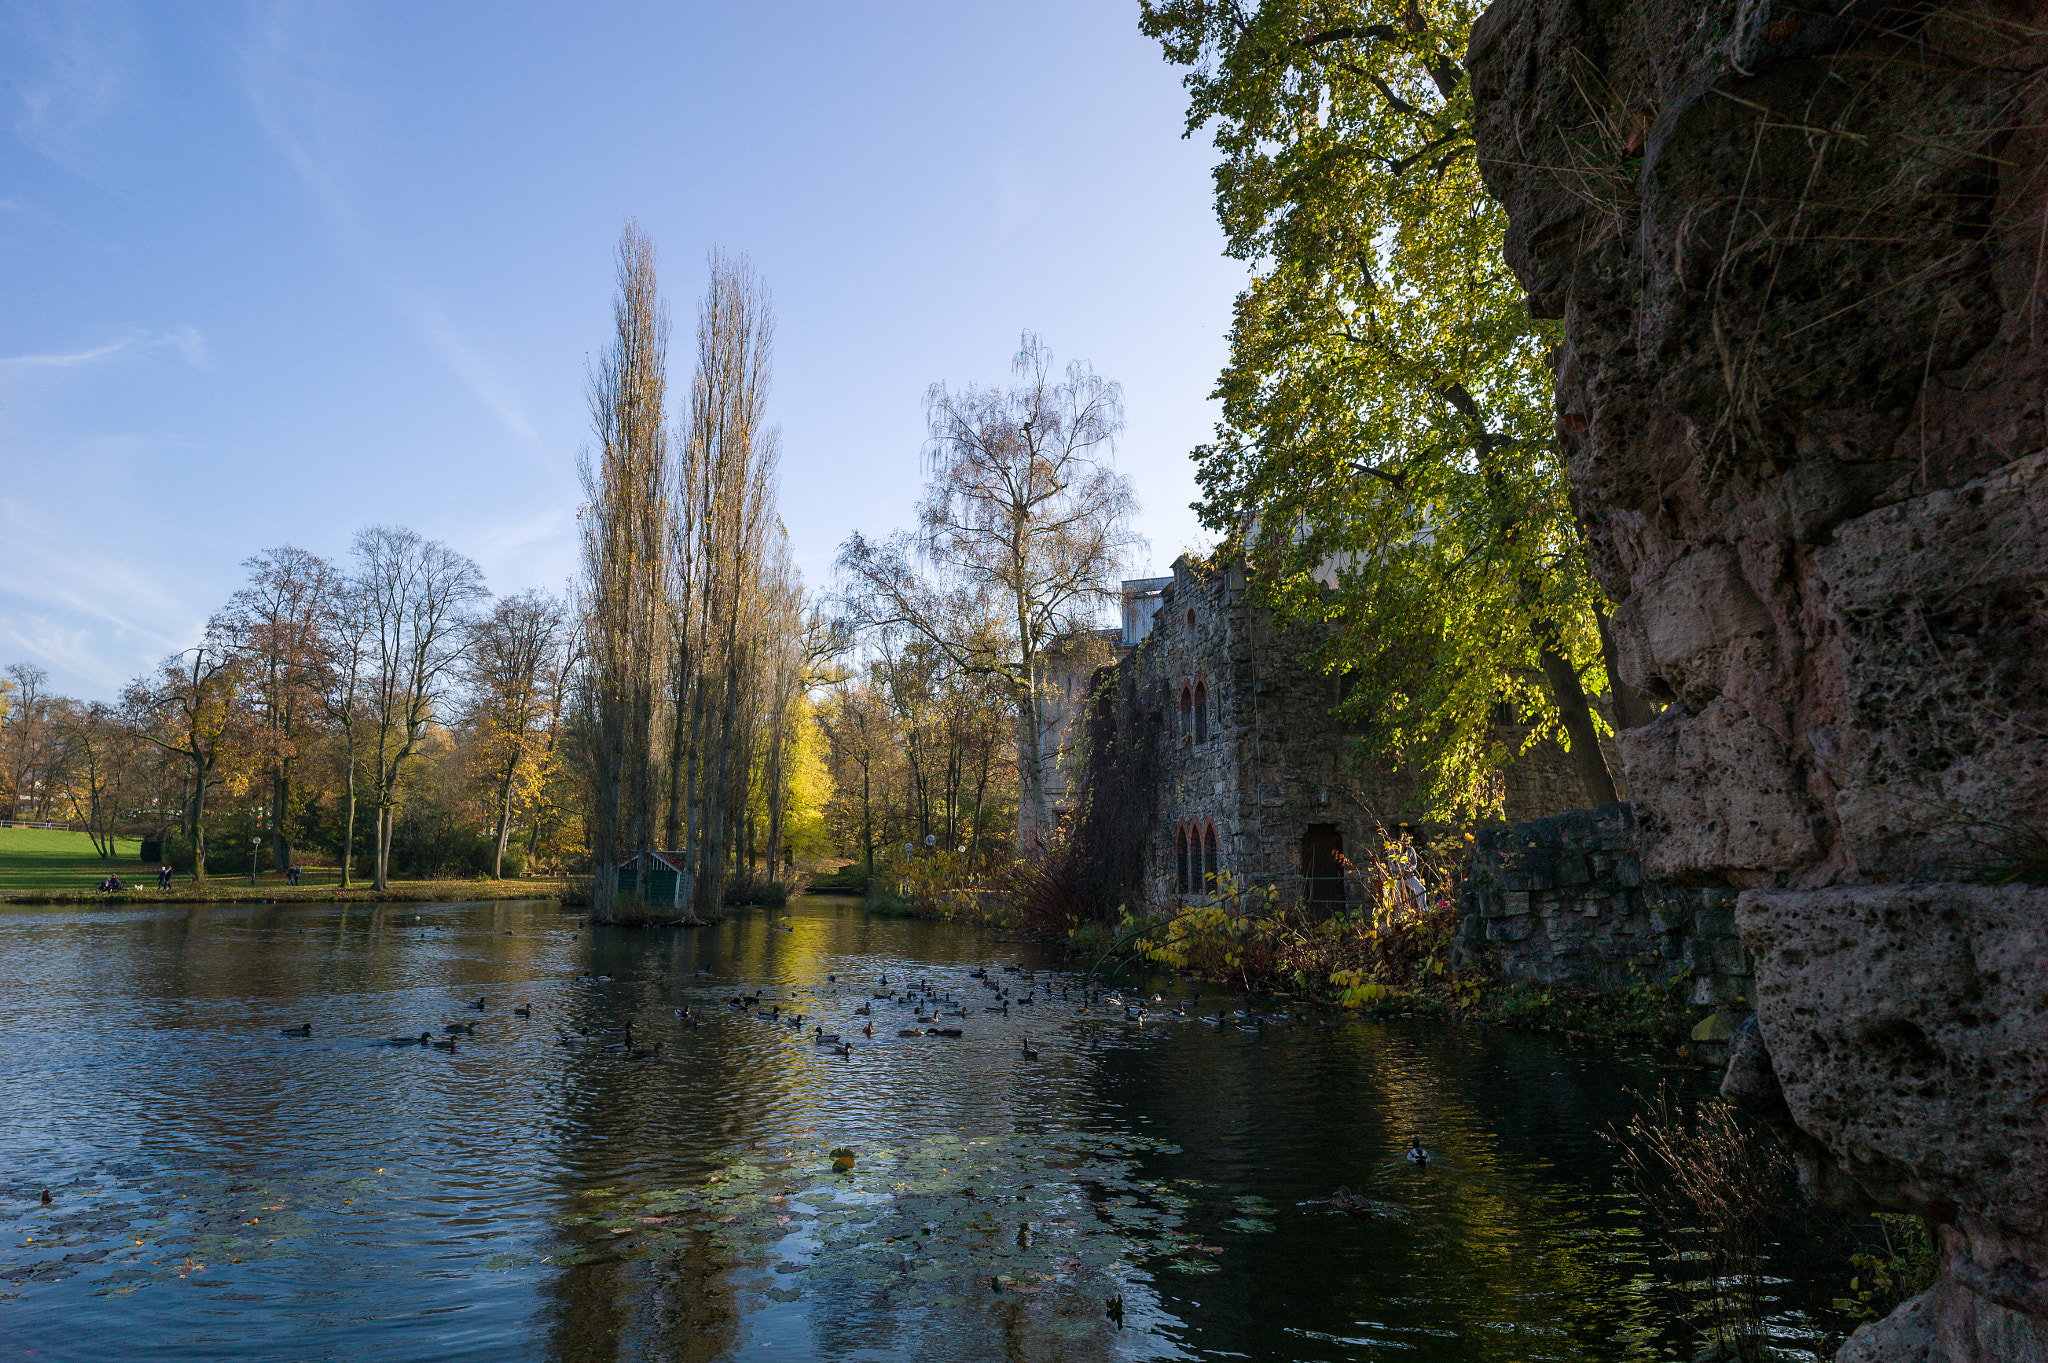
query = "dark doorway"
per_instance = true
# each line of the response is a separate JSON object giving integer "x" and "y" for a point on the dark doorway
{"x": 1322, "y": 870}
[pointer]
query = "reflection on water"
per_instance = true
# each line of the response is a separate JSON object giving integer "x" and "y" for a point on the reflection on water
{"x": 1154, "y": 1189}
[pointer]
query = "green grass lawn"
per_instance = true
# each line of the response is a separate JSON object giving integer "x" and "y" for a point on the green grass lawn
{"x": 43, "y": 859}
{"x": 39, "y": 862}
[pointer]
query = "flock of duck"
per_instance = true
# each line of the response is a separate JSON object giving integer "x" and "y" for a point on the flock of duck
{"x": 933, "y": 1010}
{"x": 923, "y": 1009}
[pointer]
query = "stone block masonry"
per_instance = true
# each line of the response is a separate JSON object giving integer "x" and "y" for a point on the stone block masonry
{"x": 1257, "y": 775}
{"x": 1564, "y": 901}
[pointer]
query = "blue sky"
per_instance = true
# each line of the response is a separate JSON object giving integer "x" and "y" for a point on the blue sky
{"x": 272, "y": 272}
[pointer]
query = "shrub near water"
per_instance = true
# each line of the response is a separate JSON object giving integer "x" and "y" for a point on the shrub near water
{"x": 1377, "y": 960}
{"x": 1246, "y": 938}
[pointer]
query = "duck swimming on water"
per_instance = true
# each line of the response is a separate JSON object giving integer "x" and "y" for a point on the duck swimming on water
{"x": 1416, "y": 1154}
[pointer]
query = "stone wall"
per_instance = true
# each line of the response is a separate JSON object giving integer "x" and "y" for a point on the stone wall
{"x": 1797, "y": 251}
{"x": 1272, "y": 760}
{"x": 1563, "y": 901}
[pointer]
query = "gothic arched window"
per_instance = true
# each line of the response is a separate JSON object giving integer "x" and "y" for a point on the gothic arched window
{"x": 1180, "y": 856}
{"x": 1211, "y": 858}
{"x": 1201, "y": 712}
{"x": 1187, "y": 713}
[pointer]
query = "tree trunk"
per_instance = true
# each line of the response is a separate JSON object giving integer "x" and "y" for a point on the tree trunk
{"x": 280, "y": 800}
{"x": 719, "y": 813}
{"x": 1632, "y": 709}
{"x": 504, "y": 824}
{"x": 1577, "y": 715}
{"x": 695, "y": 833}
{"x": 1031, "y": 804}
{"x": 197, "y": 822}
{"x": 867, "y": 821}
{"x": 678, "y": 756}
{"x": 348, "y": 840}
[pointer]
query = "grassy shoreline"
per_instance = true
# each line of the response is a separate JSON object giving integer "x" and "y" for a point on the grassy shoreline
{"x": 218, "y": 892}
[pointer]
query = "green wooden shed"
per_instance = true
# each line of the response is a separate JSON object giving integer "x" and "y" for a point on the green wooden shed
{"x": 660, "y": 879}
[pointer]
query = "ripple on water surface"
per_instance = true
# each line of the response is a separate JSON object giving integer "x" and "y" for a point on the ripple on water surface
{"x": 1158, "y": 1188}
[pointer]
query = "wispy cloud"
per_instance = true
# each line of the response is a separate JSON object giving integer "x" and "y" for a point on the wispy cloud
{"x": 66, "y": 70}
{"x": 305, "y": 109}
{"x": 187, "y": 341}
{"x": 82, "y": 613}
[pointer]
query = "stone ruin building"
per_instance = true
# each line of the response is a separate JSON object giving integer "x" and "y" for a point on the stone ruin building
{"x": 1799, "y": 257}
{"x": 1251, "y": 771}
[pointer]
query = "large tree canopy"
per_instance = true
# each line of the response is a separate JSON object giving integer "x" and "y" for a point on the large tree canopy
{"x": 1385, "y": 458}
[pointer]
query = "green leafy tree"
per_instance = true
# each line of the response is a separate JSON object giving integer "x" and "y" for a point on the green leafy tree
{"x": 1386, "y": 458}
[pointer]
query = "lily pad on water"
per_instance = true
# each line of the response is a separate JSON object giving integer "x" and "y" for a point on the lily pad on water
{"x": 929, "y": 1221}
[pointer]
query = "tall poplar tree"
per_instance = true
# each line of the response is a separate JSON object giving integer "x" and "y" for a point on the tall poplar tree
{"x": 626, "y": 545}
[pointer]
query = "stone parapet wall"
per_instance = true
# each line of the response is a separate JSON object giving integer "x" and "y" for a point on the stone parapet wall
{"x": 1563, "y": 901}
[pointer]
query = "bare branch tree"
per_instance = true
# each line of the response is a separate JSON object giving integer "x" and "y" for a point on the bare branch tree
{"x": 1022, "y": 528}
{"x": 416, "y": 595}
{"x": 342, "y": 668}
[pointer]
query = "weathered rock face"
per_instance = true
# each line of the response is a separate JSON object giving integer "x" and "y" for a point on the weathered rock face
{"x": 1799, "y": 256}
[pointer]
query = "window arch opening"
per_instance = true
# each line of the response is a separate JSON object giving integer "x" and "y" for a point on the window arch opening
{"x": 1180, "y": 856}
{"x": 1201, "y": 712}
{"x": 1212, "y": 861}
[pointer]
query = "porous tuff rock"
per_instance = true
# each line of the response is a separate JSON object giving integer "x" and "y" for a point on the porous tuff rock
{"x": 1907, "y": 1029}
{"x": 1803, "y": 391}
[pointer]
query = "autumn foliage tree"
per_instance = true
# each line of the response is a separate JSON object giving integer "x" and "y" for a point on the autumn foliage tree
{"x": 1386, "y": 458}
{"x": 273, "y": 626}
{"x": 514, "y": 669}
{"x": 193, "y": 708}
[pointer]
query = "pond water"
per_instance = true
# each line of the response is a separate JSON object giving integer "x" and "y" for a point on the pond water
{"x": 1154, "y": 1189}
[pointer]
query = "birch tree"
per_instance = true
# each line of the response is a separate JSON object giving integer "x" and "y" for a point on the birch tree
{"x": 416, "y": 596}
{"x": 1022, "y": 529}
{"x": 342, "y": 671}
